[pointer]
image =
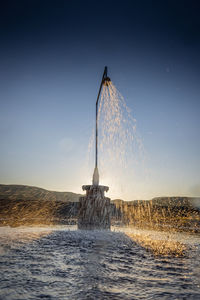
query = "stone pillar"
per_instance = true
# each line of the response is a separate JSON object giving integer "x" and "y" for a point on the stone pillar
{"x": 94, "y": 208}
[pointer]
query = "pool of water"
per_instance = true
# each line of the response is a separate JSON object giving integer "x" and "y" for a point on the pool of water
{"x": 62, "y": 262}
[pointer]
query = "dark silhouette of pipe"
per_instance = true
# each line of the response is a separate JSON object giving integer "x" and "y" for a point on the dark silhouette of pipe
{"x": 105, "y": 81}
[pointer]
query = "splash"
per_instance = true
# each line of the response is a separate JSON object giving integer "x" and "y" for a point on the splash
{"x": 120, "y": 145}
{"x": 173, "y": 214}
{"x": 118, "y": 135}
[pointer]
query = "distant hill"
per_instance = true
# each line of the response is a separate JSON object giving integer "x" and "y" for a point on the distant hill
{"x": 190, "y": 202}
{"x": 28, "y": 205}
{"x": 28, "y": 193}
{"x": 176, "y": 201}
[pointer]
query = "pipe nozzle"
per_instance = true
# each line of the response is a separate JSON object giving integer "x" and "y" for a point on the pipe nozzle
{"x": 106, "y": 81}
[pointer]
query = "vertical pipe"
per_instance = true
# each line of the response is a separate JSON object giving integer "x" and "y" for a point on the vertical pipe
{"x": 96, "y": 156}
{"x": 96, "y": 152}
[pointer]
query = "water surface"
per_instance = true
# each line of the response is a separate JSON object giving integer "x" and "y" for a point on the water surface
{"x": 64, "y": 263}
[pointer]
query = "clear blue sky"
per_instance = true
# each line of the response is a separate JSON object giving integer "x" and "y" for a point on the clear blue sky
{"x": 52, "y": 57}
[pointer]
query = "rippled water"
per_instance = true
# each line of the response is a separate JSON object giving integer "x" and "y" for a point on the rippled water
{"x": 65, "y": 263}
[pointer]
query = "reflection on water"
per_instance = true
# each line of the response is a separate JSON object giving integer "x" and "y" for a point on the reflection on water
{"x": 65, "y": 263}
{"x": 160, "y": 243}
{"x": 159, "y": 246}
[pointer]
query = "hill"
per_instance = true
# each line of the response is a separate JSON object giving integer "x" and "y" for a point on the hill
{"x": 28, "y": 205}
{"x": 165, "y": 202}
{"x": 28, "y": 193}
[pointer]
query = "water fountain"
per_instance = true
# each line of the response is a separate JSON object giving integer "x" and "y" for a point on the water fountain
{"x": 94, "y": 208}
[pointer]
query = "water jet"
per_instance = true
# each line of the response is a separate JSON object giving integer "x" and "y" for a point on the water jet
{"x": 94, "y": 207}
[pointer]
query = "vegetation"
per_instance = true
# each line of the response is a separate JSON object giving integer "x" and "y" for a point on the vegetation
{"x": 26, "y": 205}
{"x": 179, "y": 213}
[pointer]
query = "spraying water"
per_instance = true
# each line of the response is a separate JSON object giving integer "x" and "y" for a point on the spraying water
{"x": 117, "y": 139}
{"x": 117, "y": 127}
{"x": 119, "y": 144}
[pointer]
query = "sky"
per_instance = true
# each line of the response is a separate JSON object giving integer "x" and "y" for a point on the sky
{"x": 52, "y": 56}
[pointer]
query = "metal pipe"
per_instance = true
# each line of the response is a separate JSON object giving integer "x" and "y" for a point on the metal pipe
{"x": 105, "y": 79}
